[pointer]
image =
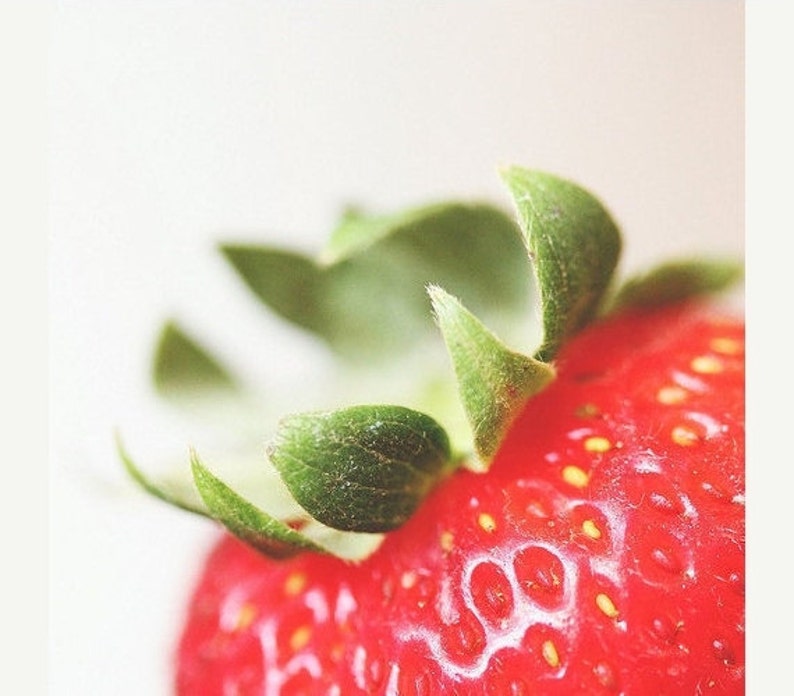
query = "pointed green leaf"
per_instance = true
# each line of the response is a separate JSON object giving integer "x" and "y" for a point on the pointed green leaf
{"x": 494, "y": 382}
{"x": 290, "y": 283}
{"x": 574, "y": 244}
{"x": 207, "y": 495}
{"x": 676, "y": 281}
{"x": 172, "y": 493}
{"x": 364, "y": 295}
{"x": 364, "y": 468}
{"x": 183, "y": 369}
{"x": 356, "y": 230}
{"x": 243, "y": 519}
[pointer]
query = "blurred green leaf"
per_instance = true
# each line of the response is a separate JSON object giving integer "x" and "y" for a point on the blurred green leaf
{"x": 182, "y": 368}
{"x": 676, "y": 281}
{"x": 365, "y": 294}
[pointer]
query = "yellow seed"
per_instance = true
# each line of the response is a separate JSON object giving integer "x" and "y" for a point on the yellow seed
{"x": 447, "y": 541}
{"x": 300, "y": 638}
{"x": 591, "y": 529}
{"x": 726, "y": 346}
{"x": 684, "y": 436}
{"x": 606, "y": 605}
{"x": 671, "y": 396}
{"x": 550, "y": 654}
{"x": 706, "y": 365}
{"x": 245, "y": 616}
{"x": 295, "y": 584}
{"x": 486, "y": 521}
{"x": 575, "y": 476}
{"x": 597, "y": 444}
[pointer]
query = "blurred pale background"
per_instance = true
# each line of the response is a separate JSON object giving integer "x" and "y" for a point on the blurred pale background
{"x": 175, "y": 125}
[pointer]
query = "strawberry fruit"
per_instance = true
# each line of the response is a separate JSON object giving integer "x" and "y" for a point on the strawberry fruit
{"x": 589, "y": 541}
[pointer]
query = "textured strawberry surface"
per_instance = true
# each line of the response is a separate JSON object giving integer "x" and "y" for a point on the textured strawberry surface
{"x": 602, "y": 554}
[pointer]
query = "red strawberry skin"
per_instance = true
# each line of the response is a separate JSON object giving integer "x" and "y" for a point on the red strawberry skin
{"x": 603, "y": 553}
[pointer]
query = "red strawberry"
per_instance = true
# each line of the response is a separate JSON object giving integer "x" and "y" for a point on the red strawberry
{"x": 589, "y": 541}
{"x": 602, "y": 553}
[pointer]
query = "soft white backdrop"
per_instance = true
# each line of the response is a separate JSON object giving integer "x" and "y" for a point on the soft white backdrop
{"x": 174, "y": 125}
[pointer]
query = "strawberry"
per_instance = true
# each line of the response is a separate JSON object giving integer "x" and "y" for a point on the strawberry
{"x": 590, "y": 540}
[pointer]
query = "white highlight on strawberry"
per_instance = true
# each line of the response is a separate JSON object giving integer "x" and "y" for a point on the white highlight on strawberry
{"x": 510, "y": 632}
{"x": 345, "y": 605}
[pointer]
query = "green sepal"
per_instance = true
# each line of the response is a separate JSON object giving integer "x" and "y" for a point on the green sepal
{"x": 265, "y": 533}
{"x": 291, "y": 284}
{"x": 494, "y": 381}
{"x": 364, "y": 294}
{"x": 363, "y": 468}
{"x": 183, "y": 369}
{"x": 208, "y": 496}
{"x": 574, "y": 245}
{"x": 175, "y": 494}
{"x": 676, "y": 281}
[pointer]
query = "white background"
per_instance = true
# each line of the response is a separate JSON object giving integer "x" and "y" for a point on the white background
{"x": 173, "y": 125}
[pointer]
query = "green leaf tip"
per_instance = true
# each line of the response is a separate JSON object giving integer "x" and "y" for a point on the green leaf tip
{"x": 363, "y": 468}
{"x": 494, "y": 382}
{"x": 364, "y": 294}
{"x": 574, "y": 245}
{"x": 182, "y": 368}
{"x": 267, "y": 534}
{"x": 676, "y": 281}
{"x": 176, "y": 496}
{"x": 207, "y": 495}
{"x": 291, "y": 284}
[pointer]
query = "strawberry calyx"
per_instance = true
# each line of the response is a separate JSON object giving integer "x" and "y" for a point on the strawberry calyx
{"x": 358, "y": 472}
